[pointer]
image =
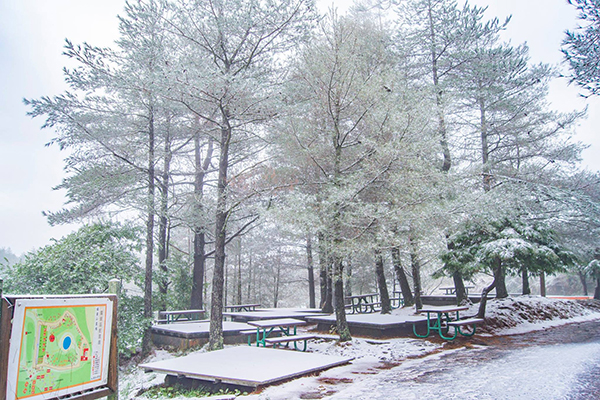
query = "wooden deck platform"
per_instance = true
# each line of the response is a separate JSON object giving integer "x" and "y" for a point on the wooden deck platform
{"x": 373, "y": 325}
{"x": 246, "y": 366}
{"x": 186, "y": 335}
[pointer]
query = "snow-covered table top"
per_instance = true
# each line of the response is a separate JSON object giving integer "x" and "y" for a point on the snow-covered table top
{"x": 442, "y": 309}
{"x": 281, "y": 322}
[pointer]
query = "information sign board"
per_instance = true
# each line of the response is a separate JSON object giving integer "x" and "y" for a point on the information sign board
{"x": 58, "y": 346}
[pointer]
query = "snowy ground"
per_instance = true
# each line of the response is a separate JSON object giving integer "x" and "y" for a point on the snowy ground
{"x": 376, "y": 357}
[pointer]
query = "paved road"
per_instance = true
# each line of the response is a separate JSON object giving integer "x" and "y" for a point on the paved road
{"x": 557, "y": 364}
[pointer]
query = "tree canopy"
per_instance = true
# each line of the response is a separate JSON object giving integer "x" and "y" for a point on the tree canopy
{"x": 235, "y": 134}
{"x": 581, "y": 47}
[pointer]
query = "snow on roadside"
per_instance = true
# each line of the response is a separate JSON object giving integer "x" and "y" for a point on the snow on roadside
{"x": 515, "y": 315}
{"x": 503, "y": 317}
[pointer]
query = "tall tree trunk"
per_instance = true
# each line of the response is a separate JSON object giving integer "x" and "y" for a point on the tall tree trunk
{"x": 583, "y": 280}
{"x": 484, "y": 294}
{"x": 348, "y": 275}
{"x": 201, "y": 168}
{"x": 485, "y": 152}
{"x": 226, "y": 286}
{"x": 311, "y": 272}
{"x": 338, "y": 295}
{"x": 238, "y": 295}
{"x": 149, "y": 234}
{"x": 416, "y": 272}
{"x": 276, "y": 280}
{"x": 402, "y": 279}
{"x": 442, "y": 131}
{"x": 216, "y": 307}
{"x": 500, "y": 277}
{"x": 525, "y": 279}
{"x": 325, "y": 275}
{"x": 197, "y": 296}
{"x": 329, "y": 306}
{"x": 336, "y": 229}
{"x": 163, "y": 224}
{"x": 251, "y": 281}
{"x": 459, "y": 286}
{"x": 542, "y": 284}
{"x": 384, "y": 296}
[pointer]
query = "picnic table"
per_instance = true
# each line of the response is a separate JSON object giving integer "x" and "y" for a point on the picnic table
{"x": 265, "y": 328}
{"x": 452, "y": 290}
{"x": 363, "y": 303}
{"x": 443, "y": 320}
{"x": 242, "y": 307}
{"x": 180, "y": 315}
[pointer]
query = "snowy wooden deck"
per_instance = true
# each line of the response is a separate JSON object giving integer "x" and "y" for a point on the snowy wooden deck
{"x": 185, "y": 335}
{"x": 246, "y": 366}
{"x": 373, "y": 325}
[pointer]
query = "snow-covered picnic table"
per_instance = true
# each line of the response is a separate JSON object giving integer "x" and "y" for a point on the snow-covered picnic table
{"x": 242, "y": 307}
{"x": 449, "y": 290}
{"x": 443, "y": 320}
{"x": 265, "y": 328}
{"x": 363, "y": 303}
{"x": 180, "y": 315}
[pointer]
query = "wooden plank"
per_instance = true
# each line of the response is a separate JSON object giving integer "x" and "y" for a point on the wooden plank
{"x": 442, "y": 309}
{"x": 469, "y": 321}
{"x": 273, "y": 323}
{"x": 113, "y": 362}
{"x": 284, "y": 339}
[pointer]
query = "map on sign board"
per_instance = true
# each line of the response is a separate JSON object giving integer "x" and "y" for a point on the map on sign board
{"x": 59, "y": 346}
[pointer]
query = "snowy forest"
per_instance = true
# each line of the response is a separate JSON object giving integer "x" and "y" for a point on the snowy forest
{"x": 257, "y": 151}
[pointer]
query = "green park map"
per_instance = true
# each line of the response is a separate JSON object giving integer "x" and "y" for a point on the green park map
{"x": 61, "y": 348}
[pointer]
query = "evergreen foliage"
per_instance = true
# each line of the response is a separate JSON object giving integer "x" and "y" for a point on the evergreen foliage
{"x": 83, "y": 263}
{"x": 581, "y": 47}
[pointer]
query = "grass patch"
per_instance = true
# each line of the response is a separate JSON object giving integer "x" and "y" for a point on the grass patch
{"x": 170, "y": 392}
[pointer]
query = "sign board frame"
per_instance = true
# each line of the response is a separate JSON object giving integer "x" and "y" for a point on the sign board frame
{"x": 87, "y": 391}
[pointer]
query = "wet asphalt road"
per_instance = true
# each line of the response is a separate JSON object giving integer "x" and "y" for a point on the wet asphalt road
{"x": 560, "y": 363}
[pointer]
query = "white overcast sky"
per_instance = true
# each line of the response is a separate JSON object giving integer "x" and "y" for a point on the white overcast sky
{"x": 32, "y": 34}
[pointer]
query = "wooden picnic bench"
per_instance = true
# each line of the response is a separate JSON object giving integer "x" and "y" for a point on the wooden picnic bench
{"x": 443, "y": 320}
{"x": 363, "y": 303}
{"x": 397, "y": 301}
{"x": 466, "y": 322}
{"x": 450, "y": 290}
{"x": 242, "y": 307}
{"x": 264, "y": 328}
{"x": 287, "y": 339}
{"x": 171, "y": 316}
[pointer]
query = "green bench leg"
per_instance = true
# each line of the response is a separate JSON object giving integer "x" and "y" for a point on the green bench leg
{"x": 428, "y": 329}
{"x": 467, "y": 334}
{"x": 449, "y": 338}
{"x": 305, "y": 344}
